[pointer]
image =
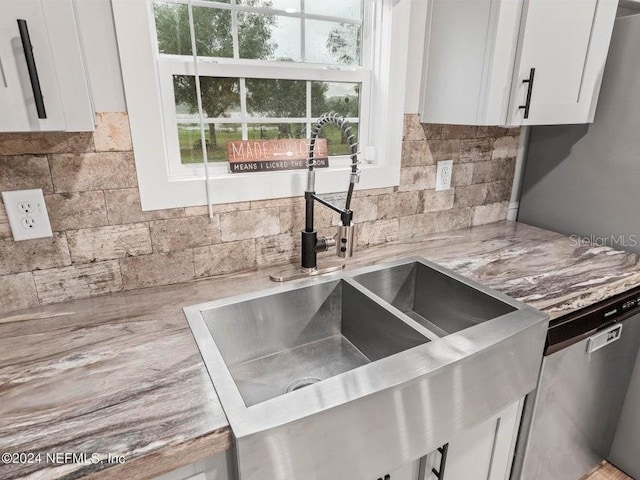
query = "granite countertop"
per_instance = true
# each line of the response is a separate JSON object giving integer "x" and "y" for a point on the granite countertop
{"x": 121, "y": 373}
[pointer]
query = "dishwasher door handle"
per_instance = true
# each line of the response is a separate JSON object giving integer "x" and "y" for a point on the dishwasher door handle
{"x": 604, "y": 338}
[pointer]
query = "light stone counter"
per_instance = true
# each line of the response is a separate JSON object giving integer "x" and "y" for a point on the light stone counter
{"x": 121, "y": 373}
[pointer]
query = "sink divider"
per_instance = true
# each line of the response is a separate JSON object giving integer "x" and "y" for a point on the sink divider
{"x": 432, "y": 336}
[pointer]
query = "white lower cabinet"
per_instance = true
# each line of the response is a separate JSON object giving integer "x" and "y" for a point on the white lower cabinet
{"x": 408, "y": 471}
{"x": 484, "y": 452}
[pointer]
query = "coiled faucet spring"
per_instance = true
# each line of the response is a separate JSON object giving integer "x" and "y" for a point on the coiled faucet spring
{"x": 344, "y": 125}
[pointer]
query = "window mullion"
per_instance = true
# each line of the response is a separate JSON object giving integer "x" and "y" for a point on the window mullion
{"x": 234, "y": 32}
{"x": 254, "y": 120}
{"x": 303, "y": 34}
{"x": 308, "y": 107}
{"x": 182, "y": 65}
{"x": 243, "y": 108}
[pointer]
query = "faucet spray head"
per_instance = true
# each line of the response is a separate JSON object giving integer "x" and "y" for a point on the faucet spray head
{"x": 344, "y": 243}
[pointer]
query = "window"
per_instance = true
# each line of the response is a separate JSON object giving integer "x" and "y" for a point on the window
{"x": 267, "y": 72}
{"x": 268, "y": 69}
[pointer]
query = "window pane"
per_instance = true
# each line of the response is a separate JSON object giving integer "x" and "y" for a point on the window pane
{"x": 335, "y": 8}
{"x": 277, "y": 131}
{"x": 276, "y": 98}
{"x": 220, "y": 96}
{"x": 213, "y": 32}
{"x": 342, "y": 98}
{"x": 336, "y": 140}
{"x": 212, "y": 27}
{"x": 216, "y": 136}
{"x": 172, "y": 28}
{"x": 332, "y": 43}
{"x": 269, "y": 37}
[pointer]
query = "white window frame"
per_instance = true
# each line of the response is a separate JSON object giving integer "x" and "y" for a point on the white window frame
{"x": 380, "y": 131}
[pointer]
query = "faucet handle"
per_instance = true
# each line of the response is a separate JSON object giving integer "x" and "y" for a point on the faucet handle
{"x": 331, "y": 242}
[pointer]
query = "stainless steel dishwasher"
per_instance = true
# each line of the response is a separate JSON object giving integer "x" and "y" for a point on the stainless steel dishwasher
{"x": 570, "y": 421}
{"x": 625, "y": 453}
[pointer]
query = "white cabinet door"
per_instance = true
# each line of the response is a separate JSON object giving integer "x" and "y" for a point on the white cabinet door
{"x": 563, "y": 45}
{"x": 469, "y": 456}
{"x": 58, "y": 61}
{"x": 408, "y": 471}
{"x": 468, "y": 61}
{"x": 482, "y": 453}
{"x": 18, "y": 112}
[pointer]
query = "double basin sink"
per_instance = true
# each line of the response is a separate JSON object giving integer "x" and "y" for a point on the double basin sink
{"x": 355, "y": 373}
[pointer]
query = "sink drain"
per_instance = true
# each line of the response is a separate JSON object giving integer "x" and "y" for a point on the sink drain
{"x": 301, "y": 383}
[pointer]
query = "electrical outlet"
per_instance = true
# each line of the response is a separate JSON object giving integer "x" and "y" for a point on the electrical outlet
{"x": 25, "y": 207}
{"x": 28, "y": 223}
{"x": 443, "y": 175}
{"x": 27, "y": 214}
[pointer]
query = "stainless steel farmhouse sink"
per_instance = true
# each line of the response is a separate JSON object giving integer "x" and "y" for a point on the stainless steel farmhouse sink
{"x": 284, "y": 341}
{"x": 357, "y": 373}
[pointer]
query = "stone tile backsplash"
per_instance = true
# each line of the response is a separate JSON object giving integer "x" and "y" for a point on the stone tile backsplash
{"x": 103, "y": 242}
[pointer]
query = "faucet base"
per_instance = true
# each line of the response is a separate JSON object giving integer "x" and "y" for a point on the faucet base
{"x": 300, "y": 273}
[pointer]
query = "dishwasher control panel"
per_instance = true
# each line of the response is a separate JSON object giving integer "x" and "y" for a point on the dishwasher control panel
{"x": 601, "y": 318}
{"x": 628, "y": 304}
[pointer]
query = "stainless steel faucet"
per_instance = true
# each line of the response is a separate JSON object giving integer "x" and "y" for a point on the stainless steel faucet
{"x": 343, "y": 241}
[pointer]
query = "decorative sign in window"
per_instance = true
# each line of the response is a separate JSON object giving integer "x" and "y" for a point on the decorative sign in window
{"x": 272, "y": 155}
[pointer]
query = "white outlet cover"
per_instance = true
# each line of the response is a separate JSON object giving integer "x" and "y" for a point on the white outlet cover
{"x": 444, "y": 171}
{"x": 27, "y": 214}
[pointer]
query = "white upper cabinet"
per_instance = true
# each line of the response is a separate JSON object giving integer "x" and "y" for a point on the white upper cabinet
{"x": 514, "y": 62}
{"x": 43, "y": 85}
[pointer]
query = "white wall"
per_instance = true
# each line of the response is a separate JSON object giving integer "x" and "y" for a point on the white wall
{"x": 583, "y": 179}
{"x": 98, "y": 36}
{"x": 628, "y": 7}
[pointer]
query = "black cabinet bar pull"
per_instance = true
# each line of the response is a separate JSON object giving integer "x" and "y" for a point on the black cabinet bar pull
{"x": 439, "y": 474}
{"x": 527, "y": 104}
{"x": 31, "y": 67}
